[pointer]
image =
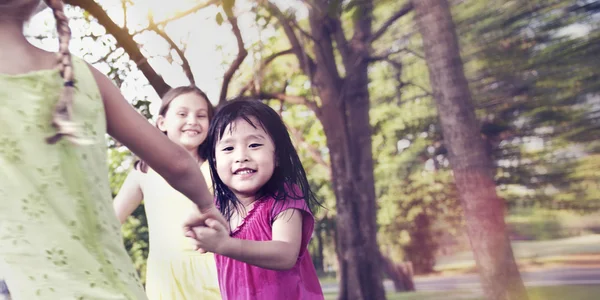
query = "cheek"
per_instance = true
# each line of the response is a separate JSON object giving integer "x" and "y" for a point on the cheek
{"x": 205, "y": 123}
{"x": 221, "y": 165}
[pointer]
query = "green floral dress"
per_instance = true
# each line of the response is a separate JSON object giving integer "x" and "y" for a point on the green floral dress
{"x": 59, "y": 236}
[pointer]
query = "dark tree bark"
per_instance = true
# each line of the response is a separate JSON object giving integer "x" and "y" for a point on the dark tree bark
{"x": 472, "y": 167}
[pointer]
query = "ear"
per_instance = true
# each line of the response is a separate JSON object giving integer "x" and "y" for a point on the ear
{"x": 160, "y": 123}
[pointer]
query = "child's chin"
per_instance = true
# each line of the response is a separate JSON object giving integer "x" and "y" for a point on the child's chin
{"x": 190, "y": 144}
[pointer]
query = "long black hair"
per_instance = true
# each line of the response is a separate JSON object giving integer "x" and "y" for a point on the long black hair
{"x": 289, "y": 178}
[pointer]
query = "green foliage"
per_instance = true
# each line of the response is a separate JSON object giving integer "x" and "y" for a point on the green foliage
{"x": 135, "y": 229}
{"x": 529, "y": 73}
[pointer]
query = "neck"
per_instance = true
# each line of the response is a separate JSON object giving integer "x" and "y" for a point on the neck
{"x": 197, "y": 157}
{"x": 246, "y": 200}
{"x": 15, "y": 45}
{"x": 194, "y": 154}
{"x": 12, "y": 37}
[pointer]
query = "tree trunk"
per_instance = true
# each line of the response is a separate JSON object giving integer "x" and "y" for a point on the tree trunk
{"x": 344, "y": 113}
{"x": 352, "y": 173}
{"x": 473, "y": 169}
{"x": 318, "y": 255}
{"x": 401, "y": 274}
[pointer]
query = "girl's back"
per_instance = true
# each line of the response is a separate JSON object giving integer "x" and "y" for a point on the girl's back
{"x": 59, "y": 236}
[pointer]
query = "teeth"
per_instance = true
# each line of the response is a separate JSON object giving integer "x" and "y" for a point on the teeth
{"x": 243, "y": 172}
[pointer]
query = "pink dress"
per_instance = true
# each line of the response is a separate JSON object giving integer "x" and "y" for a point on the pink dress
{"x": 242, "y": 281}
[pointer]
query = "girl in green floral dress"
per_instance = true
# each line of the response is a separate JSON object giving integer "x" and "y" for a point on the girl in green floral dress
{"x": 59, "y": 236}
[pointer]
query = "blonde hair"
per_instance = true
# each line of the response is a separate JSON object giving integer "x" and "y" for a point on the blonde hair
{"x": 62, "y": 116}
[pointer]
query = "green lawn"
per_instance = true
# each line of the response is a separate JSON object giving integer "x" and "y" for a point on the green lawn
{"x": 572, "y": 292}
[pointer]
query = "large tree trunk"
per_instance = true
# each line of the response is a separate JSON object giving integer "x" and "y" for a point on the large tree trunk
{"x": 352, "y": 173}
{"x": 473, "y": 168}
{"x": 344, "y": 114}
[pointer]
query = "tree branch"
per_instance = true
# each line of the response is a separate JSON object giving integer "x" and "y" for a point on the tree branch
{"x": 408, "y": 7}
{"x": 187, "y": 12}
{"x": 242, "y": 53}
{"x": 290, "y": 99}
{"x": 390, "y": 53}
{"x": 306, "y": 63}
{"x": 124, "y": 7}
{"x": 124, "y": 40}
{"x": 262, "y": 68}
{"x": 184, "y": 62}
{"x": 341, "y": 41}
{"x": 422, "y": 88}
{"x": 312, "y": 150}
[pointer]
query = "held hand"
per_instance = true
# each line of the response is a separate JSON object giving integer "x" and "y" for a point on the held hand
{"x": 198, "y": 218}
{"x": 213, "y": 238}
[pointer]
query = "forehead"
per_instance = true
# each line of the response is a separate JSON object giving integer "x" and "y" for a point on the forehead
{"x": 241, "y": 128}
{"x": 190, "y": 101}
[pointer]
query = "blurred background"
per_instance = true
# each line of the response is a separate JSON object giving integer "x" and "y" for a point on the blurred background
{"x": 362, "y": 86}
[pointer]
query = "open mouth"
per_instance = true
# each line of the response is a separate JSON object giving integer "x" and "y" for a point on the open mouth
{"x": 244, "y": 171}
{"x": 191, "y": 132}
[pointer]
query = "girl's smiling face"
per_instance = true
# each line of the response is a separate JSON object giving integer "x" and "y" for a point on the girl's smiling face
{"x": 186, "y": 120}
{"x": 245, "y": 158}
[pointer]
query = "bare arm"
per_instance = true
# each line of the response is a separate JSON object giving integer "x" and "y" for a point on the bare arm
{"x": 129, "y": 197}
{"x": 280, "y": 253}
{"x": 169, "y": 160}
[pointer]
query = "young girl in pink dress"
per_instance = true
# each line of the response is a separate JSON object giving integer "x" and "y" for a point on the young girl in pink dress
{"x": 261, "y": 188}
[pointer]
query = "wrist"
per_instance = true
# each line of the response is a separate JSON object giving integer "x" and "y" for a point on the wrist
{"x": 228, "y": 246}
{"x": 207, "y": 208}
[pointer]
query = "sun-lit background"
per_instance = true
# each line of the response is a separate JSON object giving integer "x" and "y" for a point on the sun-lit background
{"x": 533, "y": 72}
{"x": 209, "y": 47}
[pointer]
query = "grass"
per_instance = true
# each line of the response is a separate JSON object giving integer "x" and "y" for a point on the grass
{"x": 570, "y": 292}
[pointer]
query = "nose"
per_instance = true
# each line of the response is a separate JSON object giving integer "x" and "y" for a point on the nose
{"x": 192, "y": 119}
{"x": 241, "y": 155}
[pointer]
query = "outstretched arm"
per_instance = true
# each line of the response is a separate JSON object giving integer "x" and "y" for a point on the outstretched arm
{"x": 169, "y": 160}
{"x": 280, "y": 253}
{"x": 130, "y": 196}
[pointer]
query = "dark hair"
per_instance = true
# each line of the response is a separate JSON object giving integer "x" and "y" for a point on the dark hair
{"x": 164, "y": 107}
{"x": 289, "y": 178}
{"x": 62, "y": 118}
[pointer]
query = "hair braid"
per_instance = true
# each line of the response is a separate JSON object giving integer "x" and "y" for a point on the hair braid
{"x": 62, "y": 116}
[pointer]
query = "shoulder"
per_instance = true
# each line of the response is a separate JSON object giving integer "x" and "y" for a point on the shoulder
{"x": 135, "y": 176}
{"x": 107, "y": 89}
{"x": 287, "y": 206}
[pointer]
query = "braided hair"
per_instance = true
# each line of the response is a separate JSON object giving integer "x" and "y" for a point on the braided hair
{"x": 63, "y": 112}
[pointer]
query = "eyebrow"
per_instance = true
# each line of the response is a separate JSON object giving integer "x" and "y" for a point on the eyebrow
{"x": 248, "y": 137}
{"x": 187, "y": 109}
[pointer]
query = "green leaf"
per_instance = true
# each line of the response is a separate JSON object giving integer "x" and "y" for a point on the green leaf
{"x": 228, "y": 7}
{"x": 219, "y": 18}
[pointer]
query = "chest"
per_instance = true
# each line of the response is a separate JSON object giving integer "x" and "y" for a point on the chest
{"x": 253, "y": 223}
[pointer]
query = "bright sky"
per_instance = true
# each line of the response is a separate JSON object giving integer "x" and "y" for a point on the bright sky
{"x": 210, "y": 47}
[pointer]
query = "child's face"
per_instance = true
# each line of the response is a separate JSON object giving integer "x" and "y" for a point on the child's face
{"x": 186, "y": 121}
{"x": 245, "y": 157}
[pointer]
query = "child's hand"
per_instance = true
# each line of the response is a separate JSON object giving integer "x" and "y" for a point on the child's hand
{"x": 198, "y": 218}
{"x": 213, "y": 238}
